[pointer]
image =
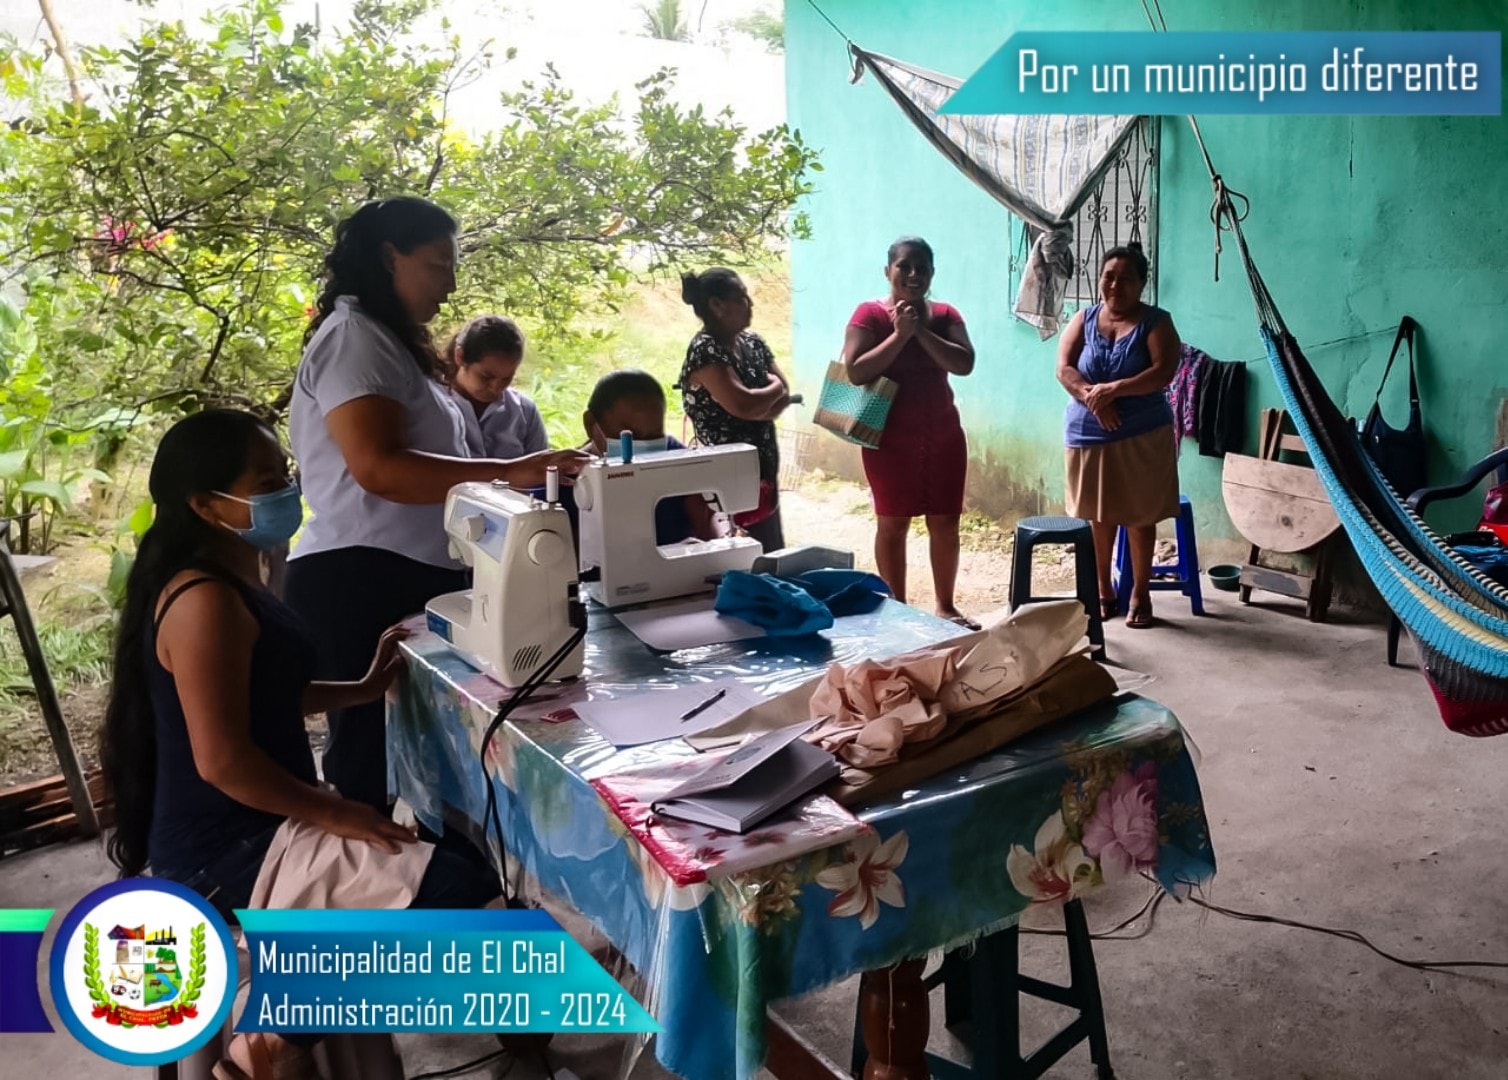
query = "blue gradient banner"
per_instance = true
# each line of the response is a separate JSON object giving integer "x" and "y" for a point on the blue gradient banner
{"x": 21, "y": 931}
{"x": 1334, "y": 73}
{"x": 490, "y": 970}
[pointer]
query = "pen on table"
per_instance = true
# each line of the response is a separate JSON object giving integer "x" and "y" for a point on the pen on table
{"x": 705, "y": 705}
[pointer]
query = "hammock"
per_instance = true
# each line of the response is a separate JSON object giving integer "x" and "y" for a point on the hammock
{"x": 1042, "y": 168}
{"x": 1457, "y": 617}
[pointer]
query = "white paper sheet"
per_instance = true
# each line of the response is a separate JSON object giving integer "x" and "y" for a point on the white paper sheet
{"x": 656, "y": 714}
{"x": 689, "y": 624}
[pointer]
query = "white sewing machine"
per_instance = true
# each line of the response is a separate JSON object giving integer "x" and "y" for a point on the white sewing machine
{"x": 617, "y": 504}
{"x": 517, "y": 614}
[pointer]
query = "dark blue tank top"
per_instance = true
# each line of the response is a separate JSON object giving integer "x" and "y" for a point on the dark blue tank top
{"x": 192, "y": 820}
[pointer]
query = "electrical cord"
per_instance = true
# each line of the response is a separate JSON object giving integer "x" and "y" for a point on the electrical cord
{"x": 1348, "y": 935}
{"x": 1149, "y": 909}
{"x": 493, "y": 821}
{"x": 1154, "y": 901}
{"x": 470, "y": 1066}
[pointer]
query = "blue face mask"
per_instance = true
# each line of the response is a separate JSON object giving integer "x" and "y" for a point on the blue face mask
{"x": 651, "y": 446}
{"x": 275, "y": 517}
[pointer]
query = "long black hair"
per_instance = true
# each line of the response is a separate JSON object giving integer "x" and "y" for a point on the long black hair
{"x": 204, "y": 452}
{"x": 355, "y": 267}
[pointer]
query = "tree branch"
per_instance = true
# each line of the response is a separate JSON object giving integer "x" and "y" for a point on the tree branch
{"x": 60, "y": 46}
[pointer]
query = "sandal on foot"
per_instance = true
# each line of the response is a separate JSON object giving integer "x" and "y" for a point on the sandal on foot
{"x": 1110, "y": 607}
{"x": 1139, "y": 617}
{"x": 964, "y": 621}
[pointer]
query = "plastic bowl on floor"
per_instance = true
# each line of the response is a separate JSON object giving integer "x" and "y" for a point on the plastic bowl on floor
{"x": 1226, "y": 578}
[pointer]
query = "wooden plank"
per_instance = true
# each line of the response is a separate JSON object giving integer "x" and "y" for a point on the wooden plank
{"x": 1276, "y": 506}
{"x": 52, "y": 831}
{"x": 1277, "y": 581}
{"x": 41, "y": 812}
{"x": 42, "y": 798}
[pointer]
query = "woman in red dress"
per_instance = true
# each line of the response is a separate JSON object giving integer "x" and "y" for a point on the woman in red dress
{"x": 920, "y": 466}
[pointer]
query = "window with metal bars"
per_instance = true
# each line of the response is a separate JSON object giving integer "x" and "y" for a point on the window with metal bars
{"x": 1122, "y": 209}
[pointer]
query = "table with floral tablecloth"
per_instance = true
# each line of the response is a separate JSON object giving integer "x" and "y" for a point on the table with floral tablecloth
{"x": 1106, "y": 795}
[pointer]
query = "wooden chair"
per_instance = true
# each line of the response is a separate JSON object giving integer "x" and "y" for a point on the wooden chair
{"x": 1282, "y": 509}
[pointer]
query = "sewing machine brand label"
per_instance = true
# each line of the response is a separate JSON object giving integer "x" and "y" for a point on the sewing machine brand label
{"x": 439, "y": 626}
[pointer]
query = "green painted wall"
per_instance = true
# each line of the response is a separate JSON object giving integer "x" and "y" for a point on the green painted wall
{"x": 1354, "y": 221}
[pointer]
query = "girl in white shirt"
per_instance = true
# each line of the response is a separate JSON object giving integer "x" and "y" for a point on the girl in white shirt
{"x": 379, "y": 445}
{"x": 479, "y": 364}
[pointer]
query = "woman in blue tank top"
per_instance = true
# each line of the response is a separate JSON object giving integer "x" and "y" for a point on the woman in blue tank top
{"x": 204, "y": 747}
{"x": 1115, "y": 361}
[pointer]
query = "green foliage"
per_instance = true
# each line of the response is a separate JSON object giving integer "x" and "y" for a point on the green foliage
{"x": 129, "y": 532}
{"x": 167, "y": 236}
{"x": 75, "y": 655}
{"x": 665, "y": 21}
{"x": 764, "y": 26}
{"x": 38, "y": 455}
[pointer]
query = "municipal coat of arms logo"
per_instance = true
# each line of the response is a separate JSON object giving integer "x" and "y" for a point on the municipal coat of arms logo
{"x": 136, "y": 980}
{"x": 142, "y": 971}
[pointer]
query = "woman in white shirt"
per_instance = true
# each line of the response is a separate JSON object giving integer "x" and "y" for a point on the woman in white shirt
{"x": 379, "y": 444}
{"x": 479, "y": 364}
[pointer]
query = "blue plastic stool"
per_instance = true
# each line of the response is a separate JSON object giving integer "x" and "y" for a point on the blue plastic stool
{"x": 1181, "y": 576}
{"x": 1059, "y": 530}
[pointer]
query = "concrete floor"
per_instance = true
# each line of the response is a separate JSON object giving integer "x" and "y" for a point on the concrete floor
{"x": 1335, "y": 796}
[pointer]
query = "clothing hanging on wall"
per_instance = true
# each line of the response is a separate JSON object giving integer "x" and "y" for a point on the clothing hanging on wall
{"x": 1221, "y": 408}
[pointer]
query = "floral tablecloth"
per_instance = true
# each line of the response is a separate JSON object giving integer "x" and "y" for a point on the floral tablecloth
{"x": 1105, "y": 795}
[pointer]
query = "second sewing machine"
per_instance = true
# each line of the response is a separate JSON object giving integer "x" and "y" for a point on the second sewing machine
{"x": 518, "y": 613}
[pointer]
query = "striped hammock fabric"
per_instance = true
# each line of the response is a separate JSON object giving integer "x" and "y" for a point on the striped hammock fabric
{"x": 1040, "y": 168}
{"x": 1457, "y": 617}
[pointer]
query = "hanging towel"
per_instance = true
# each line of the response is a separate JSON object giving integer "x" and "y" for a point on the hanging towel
{"x": 1184, "y": 389}
{"x": 781, "y": 608}
{"x": 1221, "y": 408}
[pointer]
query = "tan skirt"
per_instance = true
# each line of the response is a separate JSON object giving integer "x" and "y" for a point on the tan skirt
{"x": 1128, "y": 482}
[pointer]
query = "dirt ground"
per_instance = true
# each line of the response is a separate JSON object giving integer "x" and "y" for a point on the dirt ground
{"x": 826, "y": 510}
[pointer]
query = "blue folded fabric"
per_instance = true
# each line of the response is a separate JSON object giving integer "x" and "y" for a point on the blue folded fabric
{"x": 781, "y": 608}
{"x": 844, "y": 592}
{"x": 1492, "y": 560}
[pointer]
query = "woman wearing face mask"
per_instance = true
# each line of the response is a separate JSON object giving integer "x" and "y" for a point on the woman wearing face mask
{"x": 204, "y": 748}
{"x": 733, "y": 389}
{"x": 379, "y": 444}
{"x": 479, "y": 365}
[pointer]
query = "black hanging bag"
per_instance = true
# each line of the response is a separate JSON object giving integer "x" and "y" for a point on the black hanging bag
{"x": 1400, "y": 455}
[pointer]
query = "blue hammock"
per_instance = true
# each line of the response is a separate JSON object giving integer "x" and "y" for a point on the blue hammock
{"x": 1457, "y": 616}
